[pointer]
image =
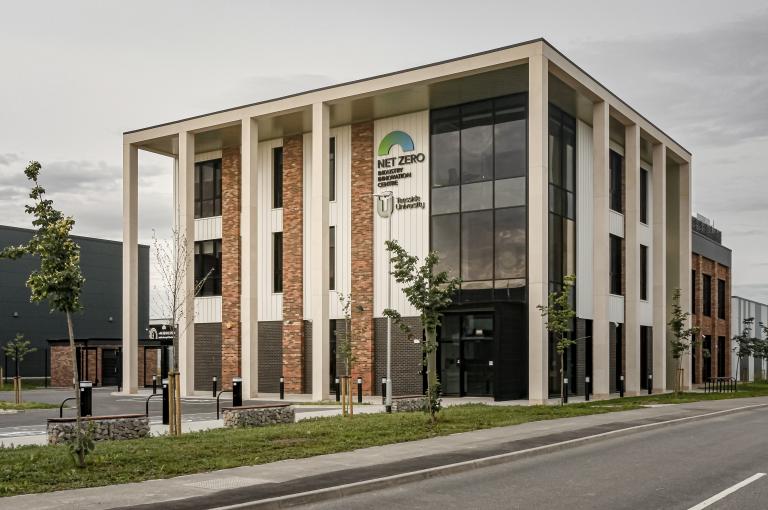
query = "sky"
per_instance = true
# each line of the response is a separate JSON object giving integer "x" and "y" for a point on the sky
{"x": 75, "y": 75}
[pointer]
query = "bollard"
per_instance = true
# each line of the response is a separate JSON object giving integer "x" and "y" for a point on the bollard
{"x": 565, "y": 390}
{"x": 282, "y": 388}
{"x": 650, "y": 383}
{"x": 586, "y": 389}
{"x": 215, "y": 387}
{"x": 359, "y": 390}
{"x": 86, "y": 398}
{"x": 166, "y": 413}
{"x": 383, "y": 390}
{"x": 237, "y": 392}
{"x": 154, "y": 385}
{"x": 621, "y": 386}
{"x": 336, "y": 383}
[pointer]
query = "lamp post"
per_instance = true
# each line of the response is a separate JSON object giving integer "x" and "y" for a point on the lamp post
{"x": 385, "y": 205}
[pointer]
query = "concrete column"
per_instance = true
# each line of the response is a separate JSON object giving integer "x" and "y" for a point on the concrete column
{"x": 130, "y": 268}
{"x": 600, "y": 325}
{"x": 318, "y": 259}
{"x": 684, "y": 240}
{"x": 538, "y": 221}
{"x": 248, "y": 238}
{"x": 185, "y": 222}
{"x": 659, "y": 271}
{"x": 632, "y": 261}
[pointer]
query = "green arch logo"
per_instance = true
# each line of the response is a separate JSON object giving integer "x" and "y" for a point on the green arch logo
{"x": 400, "y": 138}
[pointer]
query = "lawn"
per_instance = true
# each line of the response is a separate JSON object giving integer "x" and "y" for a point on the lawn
{"x": 26, "y": 384}
{"x": 31, "y": 469}
{"x": 5, "y": 406}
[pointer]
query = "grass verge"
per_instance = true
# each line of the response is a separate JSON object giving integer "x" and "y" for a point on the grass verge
{"x": 5, "y": 406}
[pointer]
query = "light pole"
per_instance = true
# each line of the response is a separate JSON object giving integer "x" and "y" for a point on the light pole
{"x": 385, "y": 205}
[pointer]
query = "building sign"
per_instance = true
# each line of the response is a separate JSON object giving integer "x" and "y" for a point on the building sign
{"x": 412, "y": 202}
{"x": 390, "y": 170}
{"x": 160, "y": 332}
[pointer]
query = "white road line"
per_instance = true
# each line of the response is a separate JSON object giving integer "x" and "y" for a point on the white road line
{"x": 729, "y": 490}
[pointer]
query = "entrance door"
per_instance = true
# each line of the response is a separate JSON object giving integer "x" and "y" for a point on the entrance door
{"x": 466, "y": 354}
{"x": 109, "y": 367}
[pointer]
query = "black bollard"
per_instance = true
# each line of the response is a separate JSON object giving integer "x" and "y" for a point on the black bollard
{"x": 215, "y": 383}
{"x": 237, "y": 392}
{"x": 383, "y": 390}
{"x": 282, "y": 388}
{"x": 338, "y": 389}
{"x": 621, "y": 386}
{"x": 86, "y": 398}
{"x": 166, "y": 413}
{"x": 359, "y": 390}
{"x": 565, "y": 390}
{"x": 650, "y": 383}
{"x": 586, "y": 389}
{"x": 154, "y": 385}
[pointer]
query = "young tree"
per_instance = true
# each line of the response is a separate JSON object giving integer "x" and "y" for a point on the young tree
{"x": 744, "y": 343}
{"x": 430, "y": 292}
{"x": 345, "y": 348}
{"x": 58, "y": 279}
{"x": 683, "y": 337}
{"x": 559, "y": 315}
{"x": 171, "y": 260}
{"x": 17, "y": 349}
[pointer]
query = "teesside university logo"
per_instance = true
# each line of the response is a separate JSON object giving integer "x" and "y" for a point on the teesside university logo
{"x": 390, "y": 169}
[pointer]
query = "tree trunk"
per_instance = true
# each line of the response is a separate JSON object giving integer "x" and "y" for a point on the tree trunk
{"x": 75, "y": 383}
{"x": 431, "y": 348}
{"x": 562, "y": 379}
{"x": 177, "y": 403}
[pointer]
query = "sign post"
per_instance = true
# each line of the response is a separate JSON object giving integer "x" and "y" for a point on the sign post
{"x": 385, "y": 205}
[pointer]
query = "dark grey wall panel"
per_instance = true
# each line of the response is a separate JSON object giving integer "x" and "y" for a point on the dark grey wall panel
{"x": 708, "y": 248}
{"x": 270, "y": 356}
{"x": 406, "y": 357}
{"x": 207, "y": 355}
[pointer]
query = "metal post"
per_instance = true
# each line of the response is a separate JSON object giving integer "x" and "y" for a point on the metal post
{"x": 385, "y": 207}
{"x": 359, "y": 390}
{"x": 282, "y": 388}
{"x": 237, "y": 392}
{"x": 47, "y": 368}
{"x": 384, "y": 390}
{"x": 215, "y": 386}
{"x": 621, "y": 386}
{"x": 86, "y": 398}
{"x": 336, "y": 382}
{"x": 565, "y": 390}
{"x": 154, "y": 385}
{"x": 650, "y": 383}
{"x": 166, "y": 414}
{"x": 586, "y": 389}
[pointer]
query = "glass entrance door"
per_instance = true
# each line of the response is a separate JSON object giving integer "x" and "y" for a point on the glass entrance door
{"x": 466, "y": 354}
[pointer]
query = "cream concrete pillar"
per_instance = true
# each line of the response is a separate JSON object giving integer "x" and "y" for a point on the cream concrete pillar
{"x": 684, "y": 239}
{"x": 248, "y": 260}
{"x": 130, "y": 268}
{"x": 632, "y": 259}
{"x": 538, "y": 221}
{"x": 659, "y": 258}
{"x": 185, "y": 222}
{"x": 319, "y": 257}
{"x": 600, "y": 326}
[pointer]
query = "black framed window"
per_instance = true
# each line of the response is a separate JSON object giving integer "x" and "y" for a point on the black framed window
{"x": 720, "y": 299}
{"x": 277, "y": 177}
{"x": 332, "y": 169}
{"x": 615, "y": 265}
{"x": 478, "y": 176}
{"x": 643, "y": 272}
{"x": 277, "y": 262}
{"x": 208, "y": 267}
{"x": 616, "y": 163}
{"x": 332, "y": 258}
{"x": 644, "y": 196}
{"x": 693, "y": 291}
{"x": 208, "y": 188}
{"x": 706, "y": 291}
{"x": 562, "y": 196}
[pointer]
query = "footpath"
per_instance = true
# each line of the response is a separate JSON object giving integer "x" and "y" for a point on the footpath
{"x": 296, "y": 481}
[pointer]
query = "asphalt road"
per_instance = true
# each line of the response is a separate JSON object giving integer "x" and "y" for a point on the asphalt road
{"x": 675, "y": 467}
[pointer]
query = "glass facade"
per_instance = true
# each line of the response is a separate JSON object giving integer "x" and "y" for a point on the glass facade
{"x": 562, "y": 196}
{"x": 208, "y": 267}
{"x": 478, "y": 176}
{"x": 208, "y": 188}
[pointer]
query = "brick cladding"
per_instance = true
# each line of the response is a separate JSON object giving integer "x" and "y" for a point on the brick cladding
{"x": 208, "y": 361}
{"x": 270, "y": 356}
{"x": 711, "y": 325}
{"x": 230, "y": 266}
{"x": 61, "y": 365}
{"x": 362, "y": 254}
{"x": 406, "y": 358}
{"x": 145, "y": 375}
{"x": 293, "y": 280}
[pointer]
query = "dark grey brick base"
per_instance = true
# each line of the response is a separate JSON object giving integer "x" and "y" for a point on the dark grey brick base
{"x": 406, "y": 357}
{"x": 270, "y": 356}
{"x": 207, "y": 354}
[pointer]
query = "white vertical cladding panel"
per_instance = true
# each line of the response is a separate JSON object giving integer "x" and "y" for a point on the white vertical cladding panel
{"x": 208, "y": 228}
{"x": 616, "y": 308}
{"x": 270, "y": 220}
{"x": 645, "y": 237}
{"x": 207, "y": 309}
{"x": 616, "y": 223}
{"x": 340, "y": 216}
{"x": 410, "y": 227}
{"x": 585, "y": 231}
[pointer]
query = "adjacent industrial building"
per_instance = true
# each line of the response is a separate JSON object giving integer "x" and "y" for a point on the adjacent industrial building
{"x": 514, "y": 164}
{"x": 98, "y": 328}
{"x": 749, "y": 368}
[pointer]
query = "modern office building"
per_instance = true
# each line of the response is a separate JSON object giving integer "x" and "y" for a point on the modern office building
{"x": 98, "y": 325}
{"x": 710, "y": 301}
{"x": 750, "y": 368}
{"x": 514, "y": 164}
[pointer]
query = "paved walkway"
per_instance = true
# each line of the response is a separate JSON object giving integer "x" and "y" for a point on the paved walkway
{"x": 231, "y": 486}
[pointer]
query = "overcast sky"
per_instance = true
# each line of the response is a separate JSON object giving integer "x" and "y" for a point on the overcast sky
{"x": 75, "y": 75}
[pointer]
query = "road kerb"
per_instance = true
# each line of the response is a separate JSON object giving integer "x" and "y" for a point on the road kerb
{"x": 337, "y": 492}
